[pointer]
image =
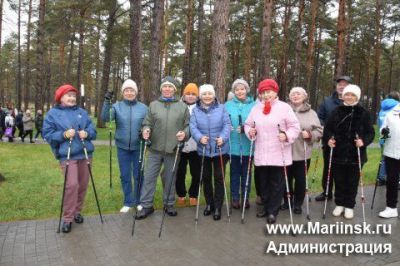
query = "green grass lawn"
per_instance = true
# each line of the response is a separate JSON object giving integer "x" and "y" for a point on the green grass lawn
{"x": 34, "y": 181}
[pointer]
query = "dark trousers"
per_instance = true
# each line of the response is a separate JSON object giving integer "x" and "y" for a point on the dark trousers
{"x": 257, "y": 184}
{"x": 38, "y": 133}
{"x": 325, "y": 154}
{"x": 346, "y": 177}
{"x": 20, "y": 131}
{"x": 194, "y": 161}
{"x": 392, "y": 181}
{"x": 238, "y": 173}
{"x": 272, "y": 184}
{"x": 26, "y": 133}
{"x": 296, "y": 174}
{"x": 214, "y": 196}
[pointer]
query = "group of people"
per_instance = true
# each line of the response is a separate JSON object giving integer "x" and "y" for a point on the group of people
{"x": 11, "y": 119}
{"x": 206, "y": 134}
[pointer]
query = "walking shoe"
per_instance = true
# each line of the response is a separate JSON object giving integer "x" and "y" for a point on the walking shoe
{"x": 66, "y": 227}
{"x": 338, "y": 211}
{"x": 192, "y": 201}
{"x": 297, "y": 209}
{"x": 247, "y": 204}
{"x": 181, "y": 201}
{"x": 125, "y": 209}
{"x": 284, "y": 206}
{"x": 321, "y": 197}
{"x": 31, "y": 141}
{"x": 271, "y": 219}
{"x": 235, "y": 204}
{"x": 389, "y": 213}
{"x": 217, "y": 214}
{"x": 170, "y": 210}
{"x": 208, "y": 210}
{"x": 143, "y": 213}
{"x": 259, "y": 200}
{"x": 348, "y": 213}
{"x": 261, "y": 214}
{"x": 78, "y": 218}
{"x": 381, "y": 182}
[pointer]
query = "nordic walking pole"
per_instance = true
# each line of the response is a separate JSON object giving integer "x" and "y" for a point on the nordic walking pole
{"x": 316, "y": 165}
{"x": 240, "y": 139}
{"x": 376, "y": 182}
{"x": 91, "y": 178}
{"x": 230, "y": 153}
{"x": 328, "y": 179}
{"x": 286, "y": 180}
{"x": 247, "y": 178}
{"x": 306, "y": 177}
{"x": 142, "y": 157}
{"x": 65, "y": 182}
{"x": 223, "y": 180}
{"x": 178, "y": 149}
{"x": 361, "y": 180}
{"x": 196, "y": 219}
{"x": 110, "y": 137}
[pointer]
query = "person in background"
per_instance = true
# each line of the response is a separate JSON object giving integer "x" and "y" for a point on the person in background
{"x": 28, "y": 122}
{"x": 38, "y": 123}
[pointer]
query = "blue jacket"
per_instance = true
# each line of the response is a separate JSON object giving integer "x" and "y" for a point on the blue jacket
{"x": 61, "y": 118}
{"x": 128, "y": 116}
{"x": 239, "y": 143}
{"x": 212, "y": 122}
{"x": 327, "y": 106}
{"x": 386, "y": 106}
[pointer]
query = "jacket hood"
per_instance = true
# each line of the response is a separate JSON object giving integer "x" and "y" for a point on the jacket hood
{"x": 303, "y": 108}
{"x": 388, "y": 104}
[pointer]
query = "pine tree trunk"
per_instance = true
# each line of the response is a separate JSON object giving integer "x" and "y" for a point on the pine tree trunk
{"x": 341, "y": 35}
{"x": 40, "y": 76}
{"x": 82, "y": 13}
{"x": 296, "y": 72}
{"x": 19, "y": 67}
{"x": 199, "y": 75}
{"x": 265, "y": 68}
{"x": 154, "y": 64}
{"x": 310, "y": 47}
{"x": 136, "y": 45}
{"x": 377, "y": 55}
{"x": 28, "y": 59}
{"x": 70, "y": 57}
{"x": 2, "y": 93}
{"x": 219, "y": 47}
{"x": 108, "y": 52}
{"x": 247, "y": 46}
{"x": 97, "y": 78}
{"x": 186, "y": 78}
{"x": 349, "y": 24}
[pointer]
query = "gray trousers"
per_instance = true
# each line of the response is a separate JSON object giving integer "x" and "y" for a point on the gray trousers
{"x": 152, "y": 170}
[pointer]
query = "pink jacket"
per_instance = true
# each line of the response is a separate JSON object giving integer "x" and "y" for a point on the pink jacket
{"x": 268, "y": 150}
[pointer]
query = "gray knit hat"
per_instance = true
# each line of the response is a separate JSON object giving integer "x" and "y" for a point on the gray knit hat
{"x": 243, "y": 82}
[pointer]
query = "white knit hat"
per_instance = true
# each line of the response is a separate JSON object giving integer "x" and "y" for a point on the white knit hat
{"x": 241, "y": 81}
{"x": 206, "y": 88}
{"x": 129, "y": 84}
{"x": 299, "y": 90}
{"x": 353, "y": 89}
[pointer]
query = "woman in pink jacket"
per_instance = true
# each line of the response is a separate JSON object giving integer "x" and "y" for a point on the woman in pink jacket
{"x": 275, "y": 127}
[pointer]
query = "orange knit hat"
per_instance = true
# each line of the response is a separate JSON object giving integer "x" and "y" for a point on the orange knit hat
{"x": 191, "y": 88}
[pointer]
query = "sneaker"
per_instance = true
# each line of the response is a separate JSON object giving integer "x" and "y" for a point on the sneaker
{"x": 144, "y": 212}
{"x": 338, "y": 211}
{"x": 66, "y": 227}
{"x": 235, "y": 204}
{"x": 171, "y": 211}
{"x": 381, "y": 182}
{"x": 321, "y": 197}
{"x": 297, "y": 209}
{"x": 181, "y": 201}
{"x": 78, "y": 218}
{"x": 192, "y": 201}
{"x": 125, "y": 209}
{"x": 348, "y": 213}
{"x": 389, "y": 213}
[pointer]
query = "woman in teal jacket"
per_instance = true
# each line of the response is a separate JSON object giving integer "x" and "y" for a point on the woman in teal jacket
{"x": 128, "y": 115}
{"x": 239, "y": 108}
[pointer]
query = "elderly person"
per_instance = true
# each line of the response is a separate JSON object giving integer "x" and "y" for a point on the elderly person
{"x": 210, "y": 127}
{"x": 38, "y": 123}
{"x": 348, "y": 128}
{"x": 276, "y": 127}
{"x": 28, "y": 122}
{"x": 189, "y": 155}
{"x": 324, "y": 110}
{"x": 311, "y": 132}
{"x": 238, "y": 109}
{"x": 128, "y": 115}
{"x": 390, "y": 131}
{"x": 64, "y": 123}
{"x": 165, "y": 125}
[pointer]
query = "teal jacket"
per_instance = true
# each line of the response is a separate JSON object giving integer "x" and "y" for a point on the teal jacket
{"x": 239, "y": 143}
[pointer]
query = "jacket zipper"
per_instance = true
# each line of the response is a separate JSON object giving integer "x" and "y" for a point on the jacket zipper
{"x": 130, "y": 126}
{"x": 166, "y": 129}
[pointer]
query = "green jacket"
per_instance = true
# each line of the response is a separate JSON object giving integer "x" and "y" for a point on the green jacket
{"x": 165, "y": 119}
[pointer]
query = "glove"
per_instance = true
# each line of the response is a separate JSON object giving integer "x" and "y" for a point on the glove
{"x": 385, "y": 133}
{"x": 108, "y": 96}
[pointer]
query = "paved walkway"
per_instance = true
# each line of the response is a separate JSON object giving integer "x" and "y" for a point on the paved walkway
{"x": 183, "y": 243}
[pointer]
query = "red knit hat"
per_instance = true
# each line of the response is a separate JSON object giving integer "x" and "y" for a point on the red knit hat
{"x": 268, "y": 84}
{"x": 63, "y": 90}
